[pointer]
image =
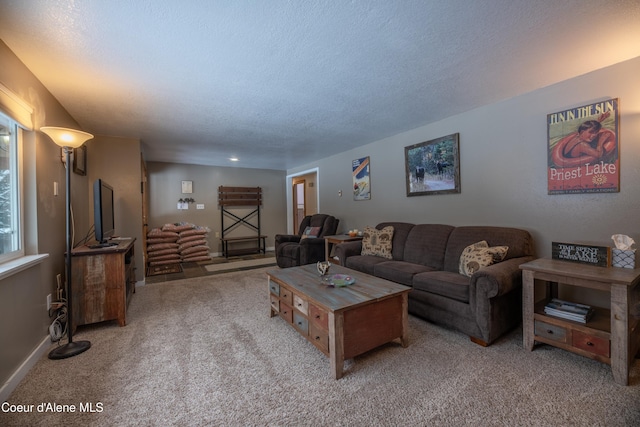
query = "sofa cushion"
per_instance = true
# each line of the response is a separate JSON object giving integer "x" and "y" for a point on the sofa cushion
{"x": 444, "y": 283}
{"x": 519, "y": 241}
{"x": 399, "y": 271}
{"x": 288, "y": 255}
{"x": 479, "y": 255}
{"x": 400, "y": 232}
{"x": 377, "y": 242}
{"x": 426, "y": 245}
{"x": 364, "y": 263}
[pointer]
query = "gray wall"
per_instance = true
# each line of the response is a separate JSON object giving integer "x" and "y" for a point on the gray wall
{"x": 23, "y": 316}
{"x": 503, "y": 156}
{"x": 117, "y": 162}
{"x": 165, "y": 189}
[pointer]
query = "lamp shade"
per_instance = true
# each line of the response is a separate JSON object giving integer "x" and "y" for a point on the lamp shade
{"x": 66, "y": 137}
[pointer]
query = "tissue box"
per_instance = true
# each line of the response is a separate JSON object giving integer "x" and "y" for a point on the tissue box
{"x": 623, "y": 258}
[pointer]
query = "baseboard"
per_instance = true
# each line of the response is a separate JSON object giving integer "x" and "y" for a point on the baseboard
{"x": 24, "y": 369}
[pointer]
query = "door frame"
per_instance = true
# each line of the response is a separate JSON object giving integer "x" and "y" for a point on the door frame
{"x": 289, "y": 188}
{"x": 296, "y": 202}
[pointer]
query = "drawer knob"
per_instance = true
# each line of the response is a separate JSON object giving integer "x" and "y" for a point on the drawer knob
{"x": 589, "y": 343}
{"x": 549, "y": 331}
{"x": 317, "y": 338}
{"x": 317, "y": 316}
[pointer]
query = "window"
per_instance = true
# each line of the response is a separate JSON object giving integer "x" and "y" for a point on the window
{"x": 10, "y": 213}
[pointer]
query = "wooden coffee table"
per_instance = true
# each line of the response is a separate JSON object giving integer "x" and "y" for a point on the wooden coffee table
{"x": 342, "y": 322}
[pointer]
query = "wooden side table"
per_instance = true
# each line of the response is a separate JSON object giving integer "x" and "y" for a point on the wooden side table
{"x": 336, "y": 240}
{"x": 611, "y": 336}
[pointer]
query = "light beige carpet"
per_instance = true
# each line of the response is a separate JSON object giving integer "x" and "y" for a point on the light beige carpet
{"x": 204, "y": 352}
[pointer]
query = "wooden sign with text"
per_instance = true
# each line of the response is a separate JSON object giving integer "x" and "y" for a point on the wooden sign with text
{"x": 585, "y": 254}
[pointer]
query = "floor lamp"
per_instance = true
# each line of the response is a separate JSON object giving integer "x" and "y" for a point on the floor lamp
{"x": 68, "y": 139}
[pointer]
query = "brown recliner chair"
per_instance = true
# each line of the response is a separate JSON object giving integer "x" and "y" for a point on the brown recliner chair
{"x": 306, "y": 247}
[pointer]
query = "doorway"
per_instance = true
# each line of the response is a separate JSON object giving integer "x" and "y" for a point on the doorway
{"x": 299, "y": 205}
{"x": 145, "y": 207}
{"x": 302, "y": 198}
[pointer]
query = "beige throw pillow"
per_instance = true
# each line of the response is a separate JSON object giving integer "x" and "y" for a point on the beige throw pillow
{"x": 377, "y": 242}
{"x": 479, "y": 255}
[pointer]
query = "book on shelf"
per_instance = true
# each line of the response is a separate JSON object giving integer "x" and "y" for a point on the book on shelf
{"x": 569, "y": 310}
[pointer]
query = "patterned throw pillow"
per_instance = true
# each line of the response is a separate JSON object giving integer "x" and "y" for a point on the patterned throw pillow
{"x": 479, "y": 255}
{"x": 310, "y": 232}
{"x": 377, "y": 242}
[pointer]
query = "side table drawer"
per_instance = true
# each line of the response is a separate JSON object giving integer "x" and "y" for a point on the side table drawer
{"x": 592, "y": 344}
{"x": 549, "y": 331}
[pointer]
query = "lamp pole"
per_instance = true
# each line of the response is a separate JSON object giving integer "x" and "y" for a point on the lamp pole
{"x": 71, "y": 348}
{"x": 68, "y": 139}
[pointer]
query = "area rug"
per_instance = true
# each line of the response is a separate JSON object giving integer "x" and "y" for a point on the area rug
{"x": 241, "y": 265}
{"x": 156, "y": 270}
{"x": 204, "y": 352}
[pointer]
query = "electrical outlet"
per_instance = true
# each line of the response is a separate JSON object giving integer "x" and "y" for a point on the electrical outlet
{"x": 217, "y": 234}
{"x": 48, "y": 302}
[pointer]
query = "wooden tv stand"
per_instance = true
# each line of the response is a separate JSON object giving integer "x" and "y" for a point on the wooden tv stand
{"x": 102, "y": 282}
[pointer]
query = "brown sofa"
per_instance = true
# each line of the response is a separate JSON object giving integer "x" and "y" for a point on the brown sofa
{"x": 426, "y": 257}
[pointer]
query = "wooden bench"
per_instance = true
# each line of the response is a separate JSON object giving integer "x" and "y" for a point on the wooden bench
{"x": 260, "y": 243}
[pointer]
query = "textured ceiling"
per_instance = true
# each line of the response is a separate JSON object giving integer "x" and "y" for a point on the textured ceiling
{"x": 281, "y": 83}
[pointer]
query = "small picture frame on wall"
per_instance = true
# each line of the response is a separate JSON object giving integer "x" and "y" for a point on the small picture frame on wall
{"x": 80, "y": 160}
{"x": 361, "y": 182}
{"x": 433, "y": 167}
{"x": 187, "y": 187}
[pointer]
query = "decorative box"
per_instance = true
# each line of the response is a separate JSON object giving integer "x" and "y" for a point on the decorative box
{"x": 623, "y": 258}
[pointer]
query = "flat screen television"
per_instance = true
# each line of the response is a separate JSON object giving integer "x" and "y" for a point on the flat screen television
{"x": 103, "y": 212}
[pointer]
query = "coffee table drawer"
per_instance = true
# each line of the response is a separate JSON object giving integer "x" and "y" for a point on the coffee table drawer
{"x": 286, "y": 312}
{"x": 274, "y": 288}
{"x": 300, "y": 304}
{"x": 275, "y": 302}
{"x": 301, "y": 323}
{"x": 320, "y": 337}
{"x": 286, "y": 295}
{"x": 318, "y": 317}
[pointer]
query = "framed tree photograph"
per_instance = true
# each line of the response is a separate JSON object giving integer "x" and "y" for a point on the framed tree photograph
{"x": 433, "y": 167}
{"x": 583, "y": 155}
